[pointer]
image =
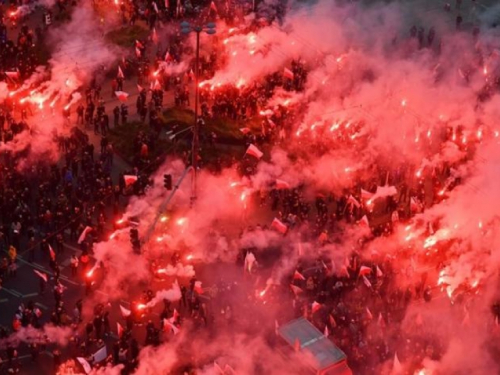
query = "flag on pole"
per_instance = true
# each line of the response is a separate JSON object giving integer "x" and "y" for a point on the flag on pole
{"x": 120, "y": 73}
{"x": 414, "y": 205}
{"x": 125, "y": 312}
{"x": 279, "y": 226}
{"x": 129, "y": 180}
{"x": 119, "y": 329}
{"x": 254, "y": 151}
{"x": 327, "y": 332}
{"x": 121, "y": 95}
{"x": 157, "y": 85}
{"x": 396, "y": 366}
{"x": 85, "y": 364}
{"x": 42, "y": 275}
{"x": 229, "y": 370}
{"x": 12, "y": 75}
{"x": 298, "y": 276}
{"x": 249, "y": 261}
{"x": 218, "y": 368}
{"x": 367, "y": 282}
{"x": 380, "y": 320}
{"x": 315, "y": 307}
{"x": 213, "y": 7}
{"x": 173, "y": 327}
{"x": 344, "y": 271}
{"x": 296, "y": 290}
{"x": 197, "y": 287}
{"x": 353, "y": 201}
{"x": 333, "y": 323}
{"x": 100, "y": 355}
{"x": 138, "y": 52}
{"x": 140, "y": 88}
{"x": 369, "y": 314}
{"x": 379, "y": 272}
{"x": 276, "y": 327}
{"x": 86, "y": 231}
{"x": 52, "y": 253}
{"x": 175, "y": 316}
{"x": 155, "y": 8}
{"x": 154, "y": 35}
{"x": 366, "y": 194}
{"x": 364, "y": 222}
{"x": 287, "y": 73}
{"x": 364, "y": 271}
{"x": 139, "y": 44}
{"x": 280, "y": 184}
{"x": 168, "y": 58}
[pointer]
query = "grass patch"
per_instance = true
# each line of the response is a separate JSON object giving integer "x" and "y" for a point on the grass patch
{"x": 127, "y": 35}
{"x": 229, "y": 144}
{"x": 228, "y": 131}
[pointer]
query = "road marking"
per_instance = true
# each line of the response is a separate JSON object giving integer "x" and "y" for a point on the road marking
{"x": 41, "y": 305}
{"x": 26, "y": 356}
{"x": 41, "y": 268}
{"x": 12, "y": 292}
{"x": 30, "y": 295}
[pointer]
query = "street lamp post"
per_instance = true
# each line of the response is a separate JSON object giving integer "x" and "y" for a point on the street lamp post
{"x": 187, "y": 28}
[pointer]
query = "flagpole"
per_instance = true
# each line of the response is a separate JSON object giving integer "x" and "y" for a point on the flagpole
{"x": 195, "y": 146}
{"x": 186, "y": 28}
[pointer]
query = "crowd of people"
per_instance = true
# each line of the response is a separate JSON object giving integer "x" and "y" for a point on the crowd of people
{"x": 48, "y": 208}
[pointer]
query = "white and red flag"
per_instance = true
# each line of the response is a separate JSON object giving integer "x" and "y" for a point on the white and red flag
{"x": 42, "y": 275}
{"x": 12, "y": 75}
{"x": 366, "y": 194}
{"x": 125, "y": 312}
{"x": 287, "y": 73}
{"x": 379, "y": 272}
{"x": 364, "y": 271}
{"x": 129, "y": 179}
{"x": 168, "y": 325}
{"x": 52, "y": 253}
{"x": 298, "y": 276}
{"x": 296, "y": 290}
{"x": 86, "y": 366}
{"x": 280, "y": 184}
{"x": 154, "y": 35}
{"x": 86, "y": 231}
{"x": 119, "y": 329}
{"x": 369, "y": 314}
{"x": 254, "y": 151}
{"x": 353, "y": 201}
{"x": 315, "y": 307}
{"x": 120, "y": 73}
{"x": 364, "y": 221}
{"x": 279, "y": 226}
{"x": 121, "y": 95}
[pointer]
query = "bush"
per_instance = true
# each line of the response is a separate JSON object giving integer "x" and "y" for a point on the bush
{"x": 127, "y": 35}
